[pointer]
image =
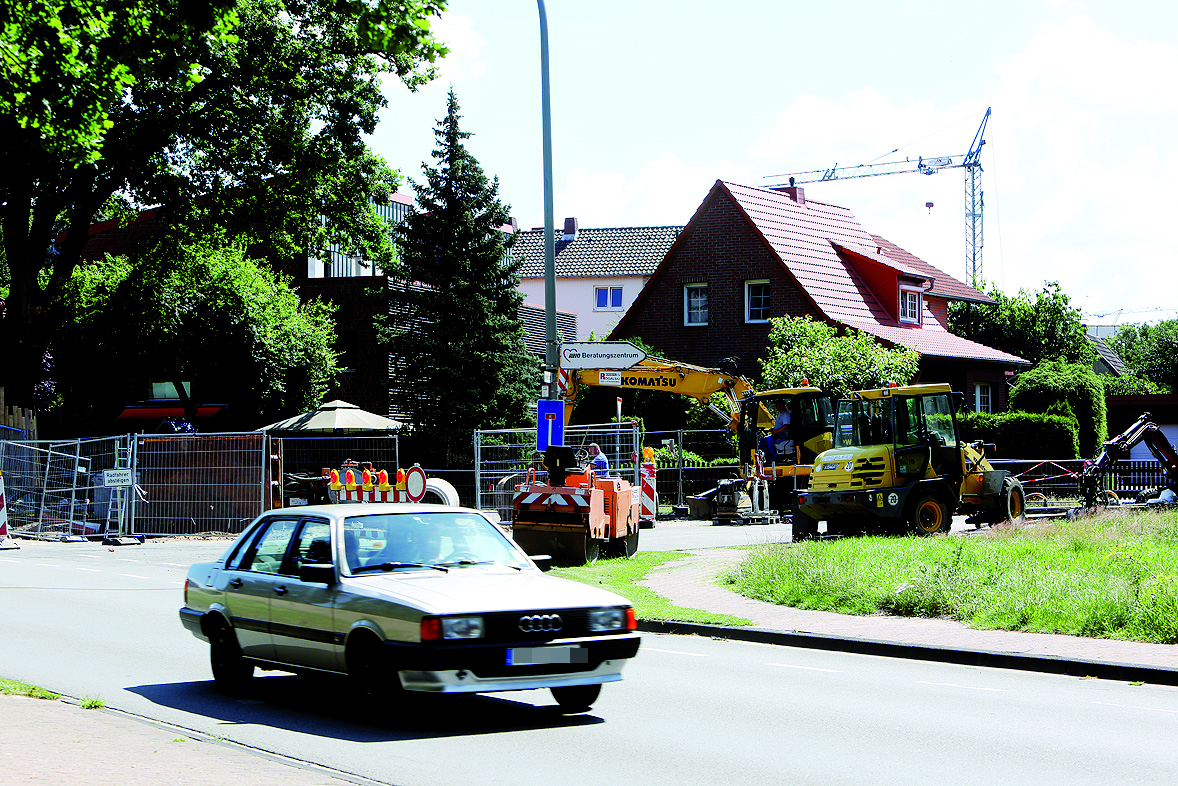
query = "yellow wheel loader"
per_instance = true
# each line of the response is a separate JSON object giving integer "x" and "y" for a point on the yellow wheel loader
{"x": 898, "y": 465}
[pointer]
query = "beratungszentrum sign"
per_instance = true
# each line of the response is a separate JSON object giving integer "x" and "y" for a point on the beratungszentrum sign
{"x": 600, "y": 354}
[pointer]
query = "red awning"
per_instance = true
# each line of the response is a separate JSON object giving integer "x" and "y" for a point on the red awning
{"x": 166, "y": 412}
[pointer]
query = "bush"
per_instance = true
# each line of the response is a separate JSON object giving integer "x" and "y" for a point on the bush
{"x": 1024, "y": 434}
{"x": 1051, "y": 381}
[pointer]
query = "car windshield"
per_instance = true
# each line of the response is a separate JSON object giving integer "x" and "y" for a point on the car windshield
{"x": 423, "y": 541}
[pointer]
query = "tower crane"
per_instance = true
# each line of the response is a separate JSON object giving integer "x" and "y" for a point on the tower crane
{"x": 971, "y": 162}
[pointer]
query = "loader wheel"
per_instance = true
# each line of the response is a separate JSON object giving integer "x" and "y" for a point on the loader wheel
{"x": 1013, "y": 500}
{"x": 930, "y": 516}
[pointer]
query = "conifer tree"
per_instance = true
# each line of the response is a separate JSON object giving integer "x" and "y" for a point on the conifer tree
{"x": 460, "y": 361}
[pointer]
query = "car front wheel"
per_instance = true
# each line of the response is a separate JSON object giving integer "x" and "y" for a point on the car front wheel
{"x": 576, "y": 698}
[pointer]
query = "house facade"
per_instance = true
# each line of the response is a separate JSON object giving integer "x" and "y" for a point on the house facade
{"x": 750, "y": 254}
{"x": 599, "y": 272}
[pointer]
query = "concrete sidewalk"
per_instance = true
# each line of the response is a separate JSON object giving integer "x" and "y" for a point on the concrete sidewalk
{"x": 691, "y": 583}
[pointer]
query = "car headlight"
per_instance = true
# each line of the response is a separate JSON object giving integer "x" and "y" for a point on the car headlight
{"x": 612, "y": 619}
{"x": 452, "y": 628}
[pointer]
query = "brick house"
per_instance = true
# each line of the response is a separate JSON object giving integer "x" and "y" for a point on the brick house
{"x": 749, "y": 254}
{"x": 599, "y": 272}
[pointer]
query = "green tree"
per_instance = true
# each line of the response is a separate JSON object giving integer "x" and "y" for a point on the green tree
{"x": 462, "y": 360}
{"x": 1042, "y": 388}
{"x": 1035, "y": 326}
{"x": 246, "y": 114}
{"x": 1130, "y": 385}
{"x": 199, "y": 313}
{"x": 801, "y": 348}
{"x": 1150, "y": 351}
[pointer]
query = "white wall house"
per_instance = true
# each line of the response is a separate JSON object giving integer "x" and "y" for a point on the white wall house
{"x": 599, "y": 272}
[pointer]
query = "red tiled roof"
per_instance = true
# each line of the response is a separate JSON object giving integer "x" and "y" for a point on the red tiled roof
{"x": 944, "y": 284}
{"x": 933, "y": 340}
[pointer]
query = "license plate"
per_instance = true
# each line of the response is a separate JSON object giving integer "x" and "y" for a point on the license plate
{"x": 533, "y": 656}
{"x": 830, "y": 466}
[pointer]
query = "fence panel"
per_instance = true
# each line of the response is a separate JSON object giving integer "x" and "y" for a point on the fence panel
{"x": 504, "y": 456}
{"x": 1059, "y": 480}
{"x": 54, "y": 489}
{"x": 201, "y": 483}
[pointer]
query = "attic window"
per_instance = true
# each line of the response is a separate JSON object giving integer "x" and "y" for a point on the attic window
{"x": 607, "y": 299}
{"x": 910, "y": 306}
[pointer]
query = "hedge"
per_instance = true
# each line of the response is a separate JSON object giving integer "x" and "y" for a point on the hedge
{"x": 1023, "y": 434}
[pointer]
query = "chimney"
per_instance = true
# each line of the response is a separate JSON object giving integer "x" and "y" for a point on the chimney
{"x": 796, "y": 193}
{"x": 570, "y": 229}
{"x": 514, "y": 224}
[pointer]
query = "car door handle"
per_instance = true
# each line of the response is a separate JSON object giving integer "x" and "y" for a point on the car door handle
{"x": 280, "y": 590}
{"x": 235, "y": 583}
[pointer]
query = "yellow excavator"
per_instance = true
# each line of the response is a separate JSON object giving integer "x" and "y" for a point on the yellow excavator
{"x": 767, "y": 486}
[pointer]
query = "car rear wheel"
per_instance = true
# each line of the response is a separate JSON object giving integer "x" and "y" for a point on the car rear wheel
{"x": 576, "y": 698}
{"x": 231, "y": 671}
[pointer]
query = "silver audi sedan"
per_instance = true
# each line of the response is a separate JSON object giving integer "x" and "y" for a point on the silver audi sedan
{"x": 403, "y": 597}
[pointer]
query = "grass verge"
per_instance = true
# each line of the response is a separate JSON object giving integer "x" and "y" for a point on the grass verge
{"x": 1113, "y": 575}
{"x": 622, "y": 576}
{"x": 15, "y": 688}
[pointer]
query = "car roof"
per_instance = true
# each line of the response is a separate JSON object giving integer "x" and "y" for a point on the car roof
{"x": 346, "y": 509}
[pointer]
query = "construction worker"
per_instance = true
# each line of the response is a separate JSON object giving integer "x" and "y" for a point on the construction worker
{"x": 778, "y": 444}
{"x": 597, "y": 459}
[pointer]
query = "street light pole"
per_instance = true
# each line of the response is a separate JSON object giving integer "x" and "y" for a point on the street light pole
{"x": 551, "y": 357}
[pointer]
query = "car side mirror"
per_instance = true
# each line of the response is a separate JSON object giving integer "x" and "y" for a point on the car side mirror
{"x": 317, "y": 573}
{"x": 543, "y": 561}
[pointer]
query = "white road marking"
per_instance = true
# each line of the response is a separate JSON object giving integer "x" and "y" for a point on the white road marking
{"x": 173, "y": 565}
{"x": 806, "y": 668}
{"x": 1132, "y": 707}
{"x": 133, "y": 576}
{"x": 47, "y": 565}
{"x": 675, "y": 652}
{"x": 91, "y": 570}
{"x": 89, "y": 556}
{"x": 955, "y": 685}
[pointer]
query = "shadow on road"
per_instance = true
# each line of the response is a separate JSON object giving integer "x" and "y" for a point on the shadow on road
{"x": 327, "y": 708}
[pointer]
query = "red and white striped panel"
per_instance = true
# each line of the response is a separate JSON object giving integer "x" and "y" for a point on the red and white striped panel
{"x": 649, "y": 473}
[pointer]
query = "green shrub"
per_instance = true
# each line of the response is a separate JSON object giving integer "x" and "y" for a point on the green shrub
{"x": 1024, "y": 434}
{"x": 1051, "y": 381}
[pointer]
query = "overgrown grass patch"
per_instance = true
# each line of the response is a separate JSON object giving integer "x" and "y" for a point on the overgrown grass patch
{"x": 622, "y": 576}
{"x": 1114, "y": 575}
{"x": 16, "y": 688}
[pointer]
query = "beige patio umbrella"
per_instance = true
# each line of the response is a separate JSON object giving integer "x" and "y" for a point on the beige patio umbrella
{"x": 337, "y": 417}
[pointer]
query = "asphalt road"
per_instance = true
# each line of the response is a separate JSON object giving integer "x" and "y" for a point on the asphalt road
{"x": 89, "y": 621}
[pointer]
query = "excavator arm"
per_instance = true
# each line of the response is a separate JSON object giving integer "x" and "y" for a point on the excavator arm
{"x": 669, "y": 376}
{"x": 1117, "y": 448}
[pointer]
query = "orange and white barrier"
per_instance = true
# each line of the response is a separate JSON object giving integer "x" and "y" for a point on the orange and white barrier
{"x": 5, "y": 541}
{"x": 649, "y": 473}
{"x": 370, "y": 486}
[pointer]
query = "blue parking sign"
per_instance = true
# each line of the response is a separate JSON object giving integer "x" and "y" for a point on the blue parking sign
{"x": 549, "y": 424}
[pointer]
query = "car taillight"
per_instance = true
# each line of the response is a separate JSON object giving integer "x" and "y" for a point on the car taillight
{"x": 631, "y": 619}
{"x": 187, "y": 583}
{"x": 431, "y": 628}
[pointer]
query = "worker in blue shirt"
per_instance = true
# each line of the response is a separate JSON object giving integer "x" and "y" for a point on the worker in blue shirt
{"x": 597, "y": 459}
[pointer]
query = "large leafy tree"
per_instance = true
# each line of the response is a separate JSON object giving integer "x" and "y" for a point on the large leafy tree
{"x": 459, "y": 346}
{"x": 802, "y": 349}
{"x": 1041, "y": 325}
{"x": 245, "y": 114}
{"x": 1150, "y": 351}
{"x": 210, "y": 318}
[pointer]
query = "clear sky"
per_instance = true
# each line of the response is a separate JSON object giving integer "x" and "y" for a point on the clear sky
{"x": 653, "y": 101}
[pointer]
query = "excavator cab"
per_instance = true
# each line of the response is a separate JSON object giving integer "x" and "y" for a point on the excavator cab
{"x": 810, "y": 425}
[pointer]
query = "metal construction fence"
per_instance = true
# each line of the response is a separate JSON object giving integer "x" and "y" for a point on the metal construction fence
{"x": 55, "y": 489}
{"x": 1059, "y": 480}
{"x": 503, "y": 458}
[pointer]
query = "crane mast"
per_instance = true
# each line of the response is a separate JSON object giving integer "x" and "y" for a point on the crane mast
{"x": 970, "y": 161}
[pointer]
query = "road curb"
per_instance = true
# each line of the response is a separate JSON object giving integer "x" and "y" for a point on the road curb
{"x": 1048, "y": 664}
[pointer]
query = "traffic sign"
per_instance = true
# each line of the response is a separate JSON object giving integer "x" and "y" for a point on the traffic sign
{"x": 549, "y": 424}
{"x": 600, "y": 354}
{"x": 118, "y": 477}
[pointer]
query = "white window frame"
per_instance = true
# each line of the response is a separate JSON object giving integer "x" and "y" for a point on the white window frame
{"x": 748, "y": 301}
{"x": 983, "y": 397}
{"x": 687, "y": 289}
{"x": 905, "y": 293}
{"x": 609, "y": 291}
